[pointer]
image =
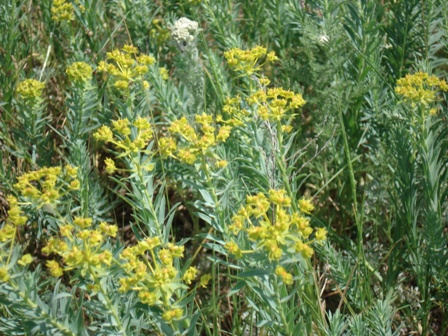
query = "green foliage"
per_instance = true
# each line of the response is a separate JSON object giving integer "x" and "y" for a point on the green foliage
{"x": 223, "y": 167}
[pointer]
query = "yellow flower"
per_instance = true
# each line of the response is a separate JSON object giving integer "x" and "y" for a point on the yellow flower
{"x": 82, "y": 222}
{"x": 7, "y": 232}
{"x": 286, "y": 277}
{"x": 247, "y": 61}
{"x": 105, "y": 257}
{"x": 110, "y": 166}
{"x": 129, "y": 49}
{"x": 4, "y": 275}
{"x": 165, "y": 256}
{"x": 274, "y": 251}
{"x": 279, "y": 197}
{"x": 121, "y": 84}
{"x": 146, "y": 59}
{"x": 30, "y": 88}
{"x": 286, "y": 128}
{"x": 205, "y": 279}
{"x": 55, "y": 268}
{"x": 420, "y": 88}
{"x": 164, "y": 74}
{"x": 306, "y": 250}
{"x": 306, "y": 206}
{"x": 122, "y": 126}
{"x": 176, "y": 250}
{"x": 173, "y": 314}
{"x": 103, "y": 134}
{"x": 147, "y": 297}
{"x": 257, "y": 205}
{"x": 221, "y": 164}
{"x": 75, "y": 184}
{"x": 321, "y": 234}
{"x": 62, "y": 11}
{"x": 223, "y": 133}
{"x": 25, "y": 260}
{"x": 110, "y": 230}
{"x": 79, "y": 72}
{"x": 234, "y": 249}
{"x": 185, "y": 155}
{"x": 66, "y": 230}
{"x": 190, "y": 275}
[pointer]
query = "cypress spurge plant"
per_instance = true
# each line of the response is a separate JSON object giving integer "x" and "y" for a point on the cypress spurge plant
{"x": 422, "y": 192}
{"x": 32, "y": 144}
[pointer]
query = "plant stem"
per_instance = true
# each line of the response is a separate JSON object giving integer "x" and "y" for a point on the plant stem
{"x": 36, "y": 309}
{"x": 108, "y": 303}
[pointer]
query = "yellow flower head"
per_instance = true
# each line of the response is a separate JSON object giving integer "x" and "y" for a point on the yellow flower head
{"x": 30, "y": 88}
{"x": 4, "y": 275}
{"x": 420, "y": 88}
{"x": 110, "y": 166}
{"x": 164, "y": 74}
{"x": 54, "y": 268}
{"x": 174, "y": 314}
{"x": 247, "y": 61}
{"x": 190, "y": 275}
{"x": 104, "y": 134}
{"x": 110, "y": 230}
{"x": 205, "y": 279}
{"x": 147, "y": 297}
{"x": 79, "y": 72}
{"x": 62, "y": 11}
{"x": 234, "y": 249}
{"x": 7, "y": 232}
{"x": 25, "y": 260}
{"x": 321, "y": 234}
{"x": 306, "y": 206}
{"x": 279, "y": 197}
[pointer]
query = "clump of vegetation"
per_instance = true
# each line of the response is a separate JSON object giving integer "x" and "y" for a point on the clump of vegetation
{"x": 223, "y": 167}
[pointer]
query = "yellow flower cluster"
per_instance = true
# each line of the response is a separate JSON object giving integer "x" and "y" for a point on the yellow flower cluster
{"x": 80, "y": 247}
{"x": 271, "y": 225}
{"x": 275, "y": 103}
{"x": 79, "y": 72}
{"x": 150, "y": 271}
{"x": 236, "y": 116}
{"x": 44, "y": 186}
{"x": 187, "y": 145}
{"x": 62, "y": 11}
{"x": 47, "y": 185}
{"x": 282, "y": 273}
{"x": 126, "y": 67}
{"x": 247, "y": 61}
{"x": 420, "y": 88}
{"x": 15, "y": 218}
{"x": 130, "y": 138}
{"x": 164, "y": 74}
{"x": 30, "y": 88}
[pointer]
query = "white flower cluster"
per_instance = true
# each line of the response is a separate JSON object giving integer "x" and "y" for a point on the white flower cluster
{"x": 184, "y": 30}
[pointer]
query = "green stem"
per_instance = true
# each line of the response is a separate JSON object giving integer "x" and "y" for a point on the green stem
{"x": 280, "y": 308}
{"x": 211, "y": 188}
{"x": 148, "y": 199}
{"x": 108, "y": 303}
